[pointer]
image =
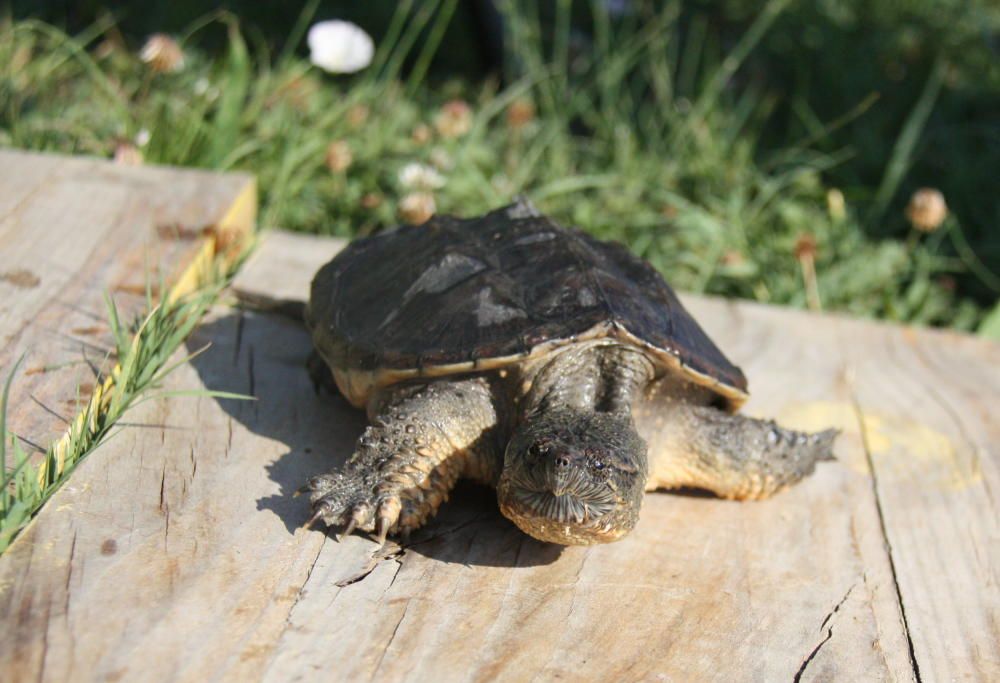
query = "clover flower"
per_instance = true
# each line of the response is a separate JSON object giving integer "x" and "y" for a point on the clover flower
{"x": 339, "y": 47}
{"x": 421, "y": 134}
{"x": 415, "y": 176}
{"x": 520, "y": 113}
{"x": 371, "y": 201}
{"x": 417, "y": 207}
{"x": 454, "y": 120}
{"x": 441, "y": 159}
{"x": 339, "y": 156}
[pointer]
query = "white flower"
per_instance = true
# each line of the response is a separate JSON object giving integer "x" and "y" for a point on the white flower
{"x": 442, "y": 159}
{"x": 142, "y": 137}
{"x": 416, "y": 176}
{"x": 339, "y": 47}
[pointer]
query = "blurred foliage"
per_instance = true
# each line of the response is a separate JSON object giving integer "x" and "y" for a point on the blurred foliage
{"x": 758, "y": 152}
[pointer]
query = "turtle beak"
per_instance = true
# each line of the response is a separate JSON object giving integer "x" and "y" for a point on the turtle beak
{"x": 560, "y": 475}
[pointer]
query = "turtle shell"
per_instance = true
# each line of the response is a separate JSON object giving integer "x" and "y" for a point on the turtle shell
{"x": 455, "y": 295}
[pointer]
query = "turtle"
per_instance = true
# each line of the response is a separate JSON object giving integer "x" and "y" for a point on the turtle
{"x": 558, "y": 368}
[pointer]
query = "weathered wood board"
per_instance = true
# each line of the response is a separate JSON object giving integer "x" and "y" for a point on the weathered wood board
{"x": 175, "y": 552}
{"x": 74, "y": 229}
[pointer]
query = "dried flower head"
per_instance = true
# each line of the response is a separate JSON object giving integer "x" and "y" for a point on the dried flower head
{"x": 357, "y": 115}
{"x": 299, "y": 92}
{"x": 733, "y": 257}
{"x": 417, "y": 207}
{"x": 128, "y": 154}
{"x": 805, "y": 247}
{"x": 836, "y": 206}
{"x": 421, "y": 134}
{"x": 371, "y": 200}
{"x": 106, "y": 48}
{"x": 520, "y": 113}
{"x": 805, "y": 251}
{"x": 927, "y": 209}
{"x": 162, "y": 53}
{"x": 416, "y": 176}
{"x": 339, "y": 47}
{"x": 339, "y": 156}
{"x": 454, "y": 119}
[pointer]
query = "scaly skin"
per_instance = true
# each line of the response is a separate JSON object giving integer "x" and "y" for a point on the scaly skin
{"x": 574, "y": 477}
{"x": 732, "y": 456}
{"x": 571, "y": 465}
{"x": 422, "y": 438}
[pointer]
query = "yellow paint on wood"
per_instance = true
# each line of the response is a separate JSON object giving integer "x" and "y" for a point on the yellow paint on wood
{"x": 220, "y": 248}
{"x": 898, "y": 442}
{"x": 226, "y": 241}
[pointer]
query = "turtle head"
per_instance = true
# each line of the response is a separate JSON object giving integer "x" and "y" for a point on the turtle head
{"x": 574, "y": 477}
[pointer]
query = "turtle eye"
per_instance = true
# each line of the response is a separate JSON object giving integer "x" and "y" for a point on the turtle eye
{"x": 538, "y": 450}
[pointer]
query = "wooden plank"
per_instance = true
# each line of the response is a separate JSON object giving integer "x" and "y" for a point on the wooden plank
{"x": 929, "y": 404}
{"x": 73, "y": 229}
{"x": 185, "y": 525}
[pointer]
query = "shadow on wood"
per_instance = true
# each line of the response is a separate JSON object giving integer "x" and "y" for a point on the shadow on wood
{"x": 238, "y": 340}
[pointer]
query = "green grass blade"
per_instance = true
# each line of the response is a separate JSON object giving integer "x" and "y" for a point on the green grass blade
{"x": 909, "y": 136}
{"x": 4, "y": 402}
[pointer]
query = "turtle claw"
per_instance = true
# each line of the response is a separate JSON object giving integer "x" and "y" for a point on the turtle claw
{"x": 382, "y": 527}
{"x": 320, "y": 511}
{"x": 348, "y": 530}
{"x": 388, "y": 515}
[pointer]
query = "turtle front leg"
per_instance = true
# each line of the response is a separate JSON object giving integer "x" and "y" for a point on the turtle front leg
{"x": 732, "y": 456}
{"x": 421, "y": 440}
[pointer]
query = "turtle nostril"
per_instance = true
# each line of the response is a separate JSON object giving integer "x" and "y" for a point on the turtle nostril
{"x": 562, "y": 461}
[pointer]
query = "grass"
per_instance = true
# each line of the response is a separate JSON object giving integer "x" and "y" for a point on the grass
{"x": 651, "y": 133}
{"x": 657, "y": 144}
{"x": 143, "y": 352}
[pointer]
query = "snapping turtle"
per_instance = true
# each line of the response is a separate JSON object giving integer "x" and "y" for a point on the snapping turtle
{"x": 534, "y": 358}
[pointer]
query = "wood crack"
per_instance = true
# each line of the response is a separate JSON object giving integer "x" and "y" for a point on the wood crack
{"x": 302, "y": 588}
{"x": 866, "y": 445}
{"x": 373, "y": 562}
{"x": 388, "y": 644}
{"x": 250, "y": 372}
{"x": 291, "y": 609}
{"x": 238, "y": 341}
{"x": 69, "y": 575}
{"x": 829, "y": 634}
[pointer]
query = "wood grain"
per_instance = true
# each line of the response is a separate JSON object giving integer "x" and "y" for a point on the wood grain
{"x": 75, "y": 229}
{"x": 175, "y": 555}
